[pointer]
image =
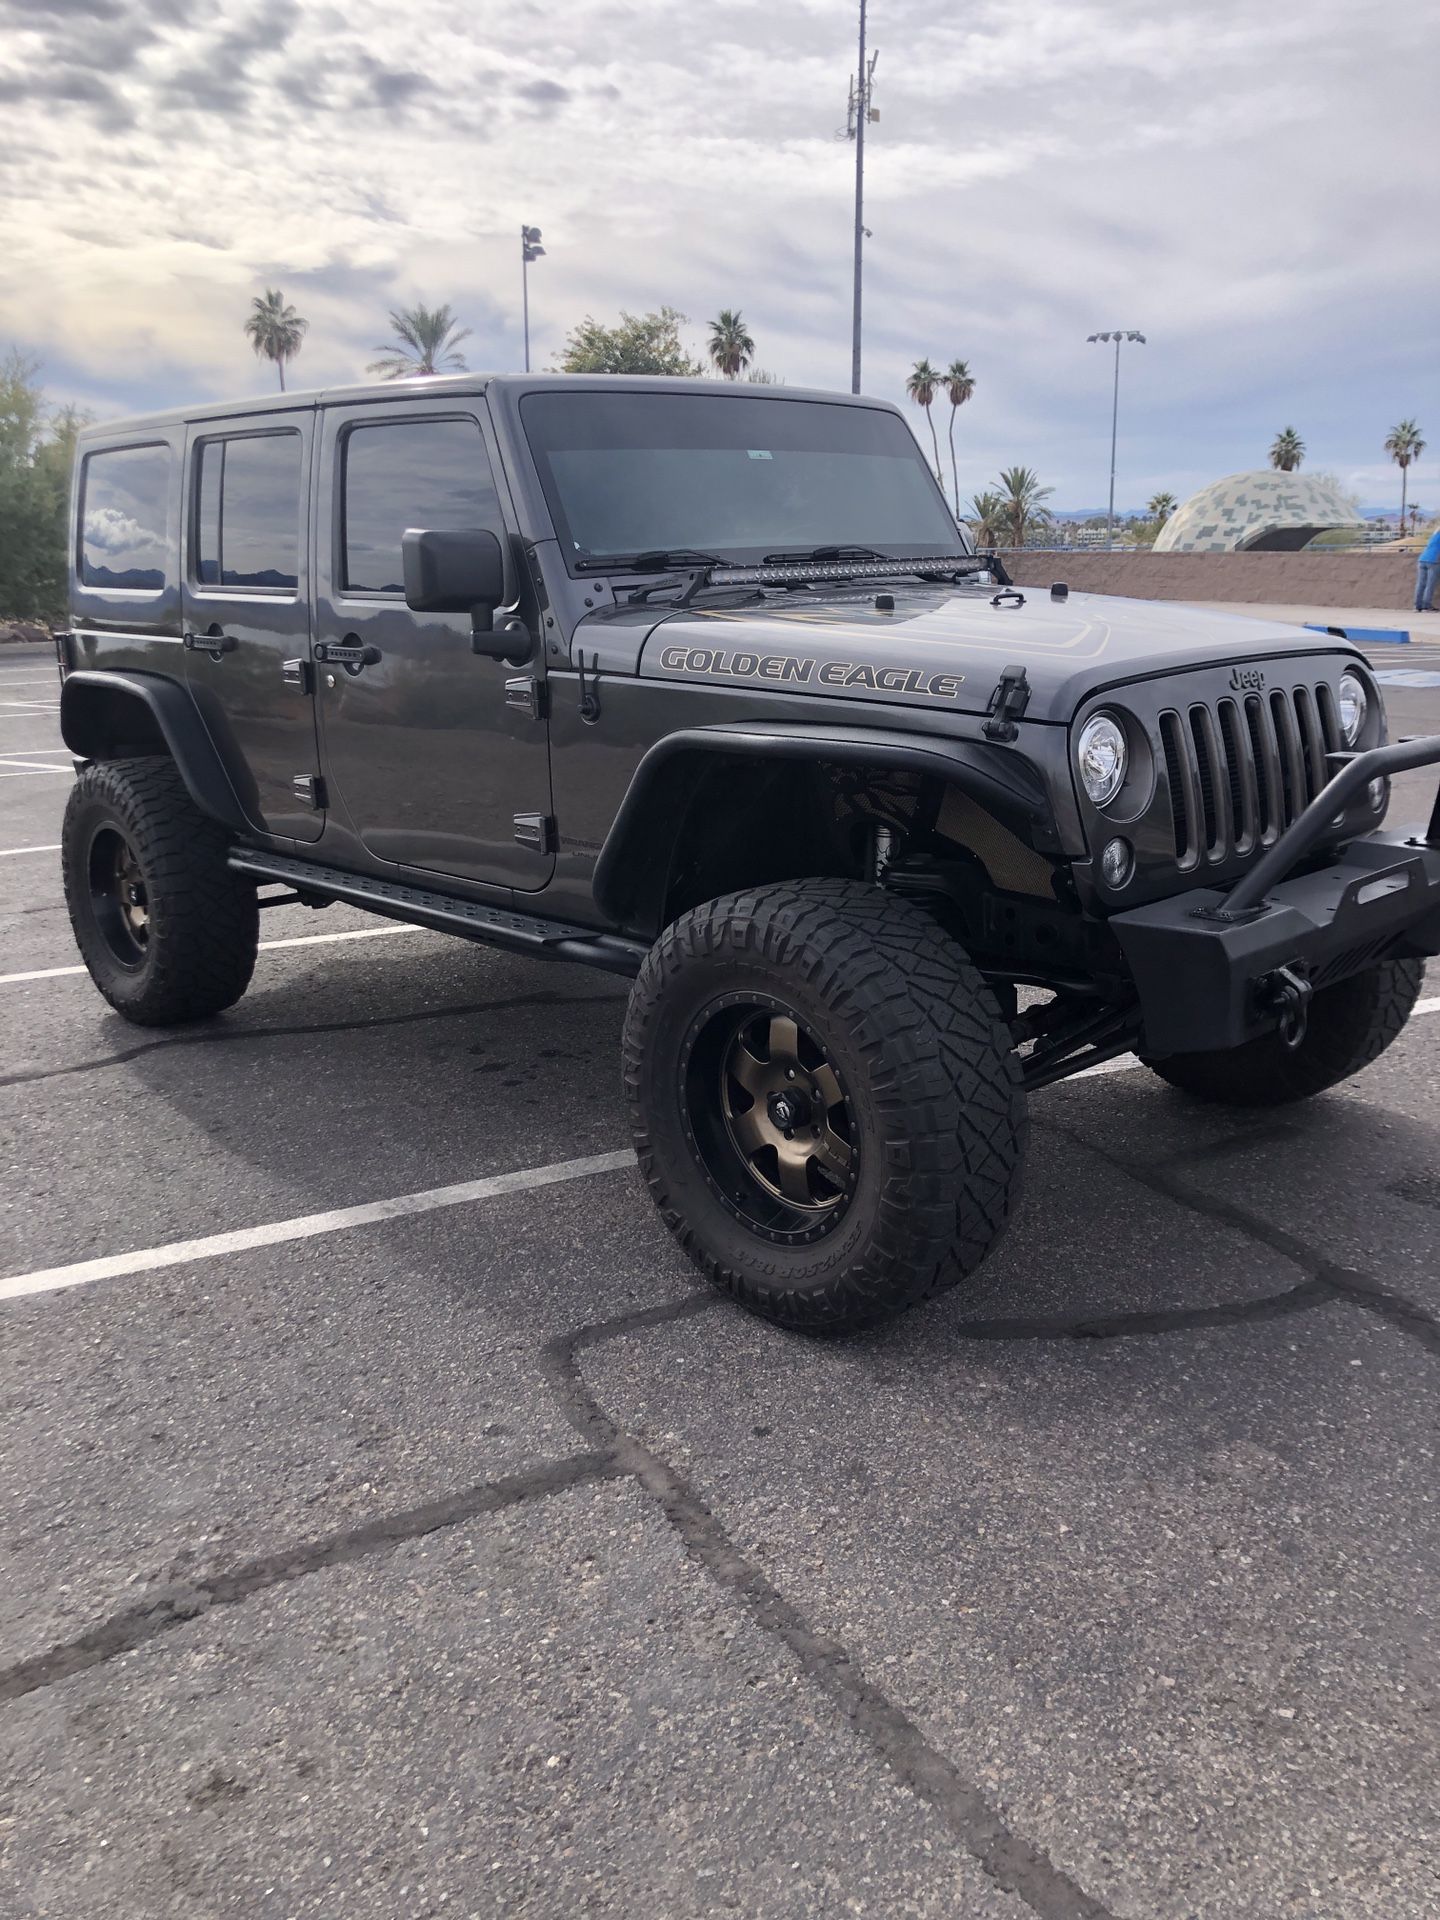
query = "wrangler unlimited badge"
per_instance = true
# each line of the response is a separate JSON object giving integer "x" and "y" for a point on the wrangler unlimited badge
{"x": 824, "y": 673}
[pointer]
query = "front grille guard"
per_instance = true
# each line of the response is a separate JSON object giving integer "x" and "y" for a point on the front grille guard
{"x": 1246, "y": 900}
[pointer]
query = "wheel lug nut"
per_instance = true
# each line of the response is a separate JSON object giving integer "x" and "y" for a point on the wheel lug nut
{"x": 789, "y": 1073}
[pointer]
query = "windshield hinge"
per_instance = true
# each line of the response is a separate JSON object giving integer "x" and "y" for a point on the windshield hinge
{"x": 589, "y": 691}
{"x": 1007, "y": 704}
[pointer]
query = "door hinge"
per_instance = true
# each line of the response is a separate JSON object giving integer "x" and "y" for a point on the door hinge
{"x": 296, "y": 673}
{"x": 529, "y": 695}
{"x": 536, "y": 831}
{"x": 309, "y": 790}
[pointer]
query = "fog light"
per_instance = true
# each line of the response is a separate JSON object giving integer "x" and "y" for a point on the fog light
{"x": 1379, "y": 792}
{"x": 1116, "y": 862}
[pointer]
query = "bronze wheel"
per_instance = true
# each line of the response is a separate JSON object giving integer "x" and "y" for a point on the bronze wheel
{"x": 825, "y": 1100}
{"x": 770, "y": 1119}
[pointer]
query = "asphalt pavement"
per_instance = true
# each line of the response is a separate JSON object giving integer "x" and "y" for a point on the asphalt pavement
{"x": 393, "y": 1526}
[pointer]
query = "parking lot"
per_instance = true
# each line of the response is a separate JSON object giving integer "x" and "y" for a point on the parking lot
{"x": 394, "y": 1526}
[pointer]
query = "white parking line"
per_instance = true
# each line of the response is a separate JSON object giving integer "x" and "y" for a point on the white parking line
{"x": 9, "y": 853}
{"x": 19, "y": 770}
{"x": 307, "y": 1226}
{"x": 31, "y": 706}
{"x": 266, "y": 946}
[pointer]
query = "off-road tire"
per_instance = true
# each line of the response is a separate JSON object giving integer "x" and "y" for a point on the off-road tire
{"x": 1349, "y": 1025}
{"x": 203, "y": 921}
{"x": 929, "y": 1068}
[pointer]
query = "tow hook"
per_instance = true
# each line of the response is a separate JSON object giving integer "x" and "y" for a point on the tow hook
{"x": 1286, "y": 992}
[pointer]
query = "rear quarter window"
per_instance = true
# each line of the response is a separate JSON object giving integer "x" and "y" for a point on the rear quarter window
{"x": 123, "y": 497}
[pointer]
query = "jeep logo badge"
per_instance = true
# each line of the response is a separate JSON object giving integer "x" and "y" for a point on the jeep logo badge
{"x": 1247, "y": 679}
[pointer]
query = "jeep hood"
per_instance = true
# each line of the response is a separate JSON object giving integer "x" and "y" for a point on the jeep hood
{"x": 947, "y": 650}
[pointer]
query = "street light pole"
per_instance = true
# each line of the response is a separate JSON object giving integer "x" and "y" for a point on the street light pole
{"x": 860, "y": 112}
{"x": 530, "y": 249}
{"x": 1117, "y": 334}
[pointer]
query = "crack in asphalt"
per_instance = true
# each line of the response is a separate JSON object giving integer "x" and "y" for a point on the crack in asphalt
{"x": 1013, "y": 1863}
{"x": 231, "y": 1034}
{"x": 1329, "y": 1280}
{"x": 173, "y": 1605}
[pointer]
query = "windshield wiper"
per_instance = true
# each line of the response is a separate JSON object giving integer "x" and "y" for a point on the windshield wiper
{"x": 654, "y": 560}
{"x": 807, "y": 555}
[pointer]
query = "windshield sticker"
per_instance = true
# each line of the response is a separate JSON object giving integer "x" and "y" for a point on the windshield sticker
{"x": 822, "y": 673}
{"x": 758, "y": 453}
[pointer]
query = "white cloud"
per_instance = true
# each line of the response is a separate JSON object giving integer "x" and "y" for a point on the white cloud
{"x": 1246, "y": 185}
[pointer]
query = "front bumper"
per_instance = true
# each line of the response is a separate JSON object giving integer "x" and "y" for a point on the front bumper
{"x": 1213, "y": 969}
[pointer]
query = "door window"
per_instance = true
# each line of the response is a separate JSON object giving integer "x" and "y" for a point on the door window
{"x": 122, "y": 518}
{"x": 409, "y": 473}
{"x": 247, "y": 513}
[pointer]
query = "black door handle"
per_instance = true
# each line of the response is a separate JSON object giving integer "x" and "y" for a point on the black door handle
{"x": 214, "y": 643}
{"x": 348, "y": 653}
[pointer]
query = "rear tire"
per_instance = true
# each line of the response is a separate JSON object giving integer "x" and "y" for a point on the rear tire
{"x": 904, "y": 1161}
{"x": 167, "y": 931}
{"x": 1349, "y": 1025}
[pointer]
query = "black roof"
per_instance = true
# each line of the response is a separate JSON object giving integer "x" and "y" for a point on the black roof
{"x": 442, "y": 385}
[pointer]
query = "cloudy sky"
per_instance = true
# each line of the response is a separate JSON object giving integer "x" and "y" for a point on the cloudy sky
{"x": 1252, "y": 184}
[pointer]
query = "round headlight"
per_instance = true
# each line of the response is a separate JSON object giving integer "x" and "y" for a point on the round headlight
{"x": 1101, "y": 755}
{"x": 1354, "y": 705}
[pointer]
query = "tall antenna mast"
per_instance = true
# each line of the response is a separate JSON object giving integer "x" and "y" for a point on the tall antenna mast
{"x": 862, "y": 87}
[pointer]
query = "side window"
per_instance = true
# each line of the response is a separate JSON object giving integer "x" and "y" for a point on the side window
{"x": 247, "y": 512}
{"x": 409, "y": 473}
{"x": 123, "y": 498}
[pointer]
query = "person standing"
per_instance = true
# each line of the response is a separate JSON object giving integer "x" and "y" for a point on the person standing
{"x": 1427, "y": 573}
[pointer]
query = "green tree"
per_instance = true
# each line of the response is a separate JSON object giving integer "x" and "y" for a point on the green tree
{"x": 959, "y": 384}
{"x": 1404, "y": 446}
{"x": 276, "y": 330}
{"x": 1287, "y": 450}
{"x": 641, "y": 343}
{"x": 37, "y": 451}
{"x": 922, "y": 386}
{"x": 987, "y": 518}
{"x": 1160, "y": 506}
{"x": 1022, "y": 503}
{"x": 731, "y": 349}
{"x": 426, "y": 339}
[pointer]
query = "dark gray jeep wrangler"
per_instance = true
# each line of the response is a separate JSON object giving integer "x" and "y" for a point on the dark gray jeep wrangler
{"x": 701, "y": 685}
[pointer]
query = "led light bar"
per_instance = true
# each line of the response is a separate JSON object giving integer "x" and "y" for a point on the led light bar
{"x": 847, "y": 569}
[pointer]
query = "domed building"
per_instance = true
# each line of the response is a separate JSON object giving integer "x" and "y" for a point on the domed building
{"x": 1265, "y": 511}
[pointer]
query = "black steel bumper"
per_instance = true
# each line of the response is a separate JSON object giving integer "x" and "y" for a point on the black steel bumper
{"x": 1214, "y": 969}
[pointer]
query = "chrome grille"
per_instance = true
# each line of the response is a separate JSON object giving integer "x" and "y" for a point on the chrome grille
{"x": 1241, "y": 770}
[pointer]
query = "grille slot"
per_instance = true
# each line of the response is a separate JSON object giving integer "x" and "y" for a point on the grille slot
{"x": 1239, "y": 773}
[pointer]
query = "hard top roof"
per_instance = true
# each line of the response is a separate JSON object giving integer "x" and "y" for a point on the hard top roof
{"x": 447, "y": 385}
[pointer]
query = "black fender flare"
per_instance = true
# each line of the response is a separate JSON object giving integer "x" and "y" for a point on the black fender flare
{"x": 113, "y": 715}
{"x": 635, "y": 858}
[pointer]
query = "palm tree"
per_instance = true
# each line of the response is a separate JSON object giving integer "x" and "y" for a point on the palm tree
{"x": 959, "y": 385}
{"x": 276, "y": 330}
{"x": 1160, "y": 506}
{"x": 428, "y": 337}
{"x": 1404, "y": 446}
{"x": 731, "y": 349}
{"x": 987, "y": 516}
{"x": 1287, "y": 451}
{"x": 922, "y": 387}
{"x": 1021, "y": 502}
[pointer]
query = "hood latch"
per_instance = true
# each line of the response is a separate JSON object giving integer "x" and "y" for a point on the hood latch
{"x": 1007, "y": 704}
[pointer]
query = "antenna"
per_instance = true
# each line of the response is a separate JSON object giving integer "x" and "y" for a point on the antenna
{"x": 860, "y": 112}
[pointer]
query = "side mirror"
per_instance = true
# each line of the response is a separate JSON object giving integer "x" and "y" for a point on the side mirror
{"x": 462, "y": 570}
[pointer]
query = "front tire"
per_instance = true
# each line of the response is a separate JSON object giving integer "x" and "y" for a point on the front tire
{"x": 167, "y": 931}
{"x": 825, "y": 1102}
{"x": 1349, "y": 1025}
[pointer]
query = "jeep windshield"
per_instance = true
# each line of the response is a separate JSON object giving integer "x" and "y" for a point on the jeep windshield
{"x": 731, "y": 478}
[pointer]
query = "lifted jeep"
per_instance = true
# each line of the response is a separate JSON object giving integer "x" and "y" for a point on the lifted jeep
{"x": 704, "y": 686}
